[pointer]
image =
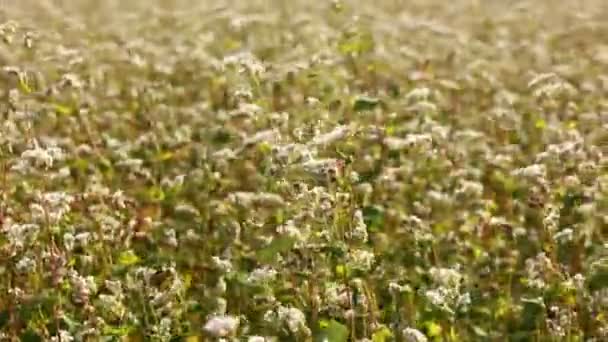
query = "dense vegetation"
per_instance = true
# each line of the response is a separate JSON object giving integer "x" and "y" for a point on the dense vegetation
{"x": 269, "y": 170}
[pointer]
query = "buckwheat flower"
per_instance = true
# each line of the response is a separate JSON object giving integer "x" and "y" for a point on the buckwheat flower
{"x": 320, "y": 167}
{"x": 395, "y": 289}
{"x": 43, "y": 156}
{"x": 163, "y": 329}
{"x": 336, "y": 296}
{"x": 171, "y": 237}
{"x": 360, "y": 259}
{"x": 439, "y": 197}
{"x": 17, "y": 293}
{"x": 83, "y": 238}
{"x": 396, "y": 144}
{"x": 418, "y": 94}
{"x": 186, "y": 208}
{"x": 63, "y": 336}
{"x": 551, "y": 219}
{"x": 267, "y": 199}
{"x": 71, "y": 80}
{"x": 112, "y": 304}
{"x": 221, "y": 326}
{"x": 119, "y": 199}
{"x": 22, "y": 166}
{"x": 95, "y": 189}
{"x": 82, "y": 288}
{"x": 243, "y": 93}
{"x": 253, "y": 64}
{"x": 446, "y": 277}
{"x": 470, "y": 188}
{"x": 312, "y": 101}
{"x": 535, "y": 171}
{"x": 423, "y": 141}
{"x": 519, "y": 232}
{"x": 110, "y": 226}
{"x": 68, "y": 241}
{"x": 423, "y": 106}
{"x": 564, "y": 236}
{"x": 365, "y": 189}
{"x": 256, "y": 339}
{"x": 289, "y": 229}
{"x": 270, "y": 136}
{"x": 463, "y": 302}
{"x": 222, "y": 264}
{"x": 542, "y": 78}
{"x": 57, "y": 199}
{"x": 439, "y": 297}
{"x": 294, "y": 319}
{"x": 62, "y": 173}
{"x": 131, "y": 163}
{"x": 25, "y": 265}
{"x": 246, "y": 110}
{"x": 192, "y": 236}
{"x": 537, "y": 268}
{"x": 294, "y": 153}
{"x": 359, "y": 231}
{"x": 262, "y": 275}
{"x": 554, "y": 89}
{"x": 579, "y": 281}
{"x": 20, "y": 234}
{"x": 114, "y": 286}
{"x": 338, "y": 133}
{"x": 244, "y": 199}
{"x": 413, "y": 335}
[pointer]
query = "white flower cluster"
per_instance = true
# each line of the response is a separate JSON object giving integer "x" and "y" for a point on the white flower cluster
{"x": 537, "y": 270}
{"x": 290, "y": 318}
{"x": 262, "y": 275}
{"x": 447, "y": 294}
{"x": 38, "y": 157}
{"x": 360, "y": 259}
{"x": 221, "y": 326}
{"x": 413, "y": 335}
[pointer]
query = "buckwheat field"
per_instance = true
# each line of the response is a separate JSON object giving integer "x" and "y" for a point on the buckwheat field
{"x": 270, "y": 170}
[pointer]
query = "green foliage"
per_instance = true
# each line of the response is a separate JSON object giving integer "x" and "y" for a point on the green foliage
{"x": 363, "y": 103}
{"x": 275, "y": 248}
{"x": 332, "y": 331}
{"x": 303, "y": 170}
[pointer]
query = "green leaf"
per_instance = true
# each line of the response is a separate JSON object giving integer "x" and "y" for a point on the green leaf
{"x": 155, "y": 194}
{"x": 432, "y": 329}
{"x": 24, "y": 86}
{"x": 382, "y": 335}
{"x": 373, "y": 216}
{"x": 540, "y": 124}
{"x": 62, "y": 109}
{"x": 356, "y": 44}
{"x": 30, "y": 336}
{"x": 277, "y": 246}
{"x": 341, "y": 270}
{"x": 332, "y": 331}
{"x": 128, "y": 258}
{"x": 533, "y": 311}
{"x": 598, "y": 278}
{"x": 4, "y": 318}
{"x": 72, "y": 324}
{"x": 117, "y": 331}
{"x": 164, "y": 155}
{"x": 363, "y": 103}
